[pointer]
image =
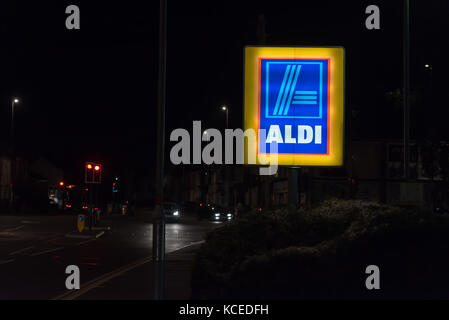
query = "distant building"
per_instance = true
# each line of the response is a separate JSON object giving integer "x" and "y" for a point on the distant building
{"x": 5, "y": 180}
{"x": 33, "y": 181}
{"x": 373, "y": 171}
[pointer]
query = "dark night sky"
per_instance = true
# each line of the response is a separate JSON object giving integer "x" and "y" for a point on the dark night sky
{"x": 91, "y": 93}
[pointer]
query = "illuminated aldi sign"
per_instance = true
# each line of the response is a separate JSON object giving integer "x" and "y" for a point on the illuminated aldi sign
{"x": 296, "y": 95}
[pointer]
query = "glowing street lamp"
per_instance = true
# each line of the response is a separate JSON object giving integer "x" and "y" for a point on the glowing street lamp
{"x": 225, "y": 108}
{"x": 14, "y": 101}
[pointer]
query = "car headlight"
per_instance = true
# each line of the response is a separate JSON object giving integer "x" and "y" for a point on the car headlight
{"x": 229, "y": 215}
{"x": 176, "y": 213}
{"x": 217, "y": 214}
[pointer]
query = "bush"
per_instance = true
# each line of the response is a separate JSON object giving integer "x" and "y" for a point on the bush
{"x": 319, "y": 253}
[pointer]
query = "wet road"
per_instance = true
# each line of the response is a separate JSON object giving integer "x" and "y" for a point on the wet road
{"x": 34, "y": 251}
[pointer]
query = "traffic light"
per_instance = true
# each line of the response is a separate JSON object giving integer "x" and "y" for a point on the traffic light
{"x": 61, "y": 183}
{"x": 92, "y": 173}
{"x": 97, "y": 173}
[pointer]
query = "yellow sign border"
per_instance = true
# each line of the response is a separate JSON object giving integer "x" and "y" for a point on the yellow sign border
{"x": 335, "y": 55}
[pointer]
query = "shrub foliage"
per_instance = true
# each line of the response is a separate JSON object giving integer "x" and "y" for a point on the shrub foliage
{"x": 322, "y": 253}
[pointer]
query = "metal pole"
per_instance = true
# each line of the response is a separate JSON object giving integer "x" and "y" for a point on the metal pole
{"x": 227, "y": 168}
{"x": 12, "y": 122}
{"x": 13, "y": 156}
{"x": 91, "y": 207}
{"x": 293, "y": 186}
{"x": 406, "y": 67}
{"x": 159, "y": 219}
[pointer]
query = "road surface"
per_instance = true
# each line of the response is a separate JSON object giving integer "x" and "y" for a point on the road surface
{"x": 34, "y": 252}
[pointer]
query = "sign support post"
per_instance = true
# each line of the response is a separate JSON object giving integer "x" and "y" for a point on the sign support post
{"x": 293, "y": 187}
{"x": 406, "y": 61}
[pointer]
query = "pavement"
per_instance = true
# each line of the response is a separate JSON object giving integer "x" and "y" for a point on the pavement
{"x": 34, "y": 253}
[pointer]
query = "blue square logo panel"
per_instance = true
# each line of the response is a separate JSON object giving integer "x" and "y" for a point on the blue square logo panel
{"x": 294, "y": 104}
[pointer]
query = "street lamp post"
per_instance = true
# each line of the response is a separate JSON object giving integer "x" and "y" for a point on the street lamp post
{"x": 226, "y": 168}
{"x": 225, "y": 108}
{"x": 429, "y": 69}
{"x": 14, "y": 101}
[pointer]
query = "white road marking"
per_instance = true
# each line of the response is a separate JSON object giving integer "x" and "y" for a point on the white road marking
{"x": 99, "y": 234}
{"x": 189, "y": 245}
{"x": 6, "y": 234}
{"x": 6, "y": 261}
{"x": 87, "y": 241}
{"x": 30, "y": 221}
{"x": 46, "y": 251}
{"x": 71, "y": 295}
{"x": 13, "y": 229}
{"x": 21, "y": 250}
{"x": 99, "y": 281}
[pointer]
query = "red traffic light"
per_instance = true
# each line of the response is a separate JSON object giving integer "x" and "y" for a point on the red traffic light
{"x": 61, "y": 183}
{"x": 92, "y": 172}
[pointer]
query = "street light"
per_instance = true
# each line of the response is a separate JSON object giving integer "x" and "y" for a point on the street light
{"x": 14, "y": 101}
{"x": 430, "y": 71}
{"x": 225, "y": 108}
